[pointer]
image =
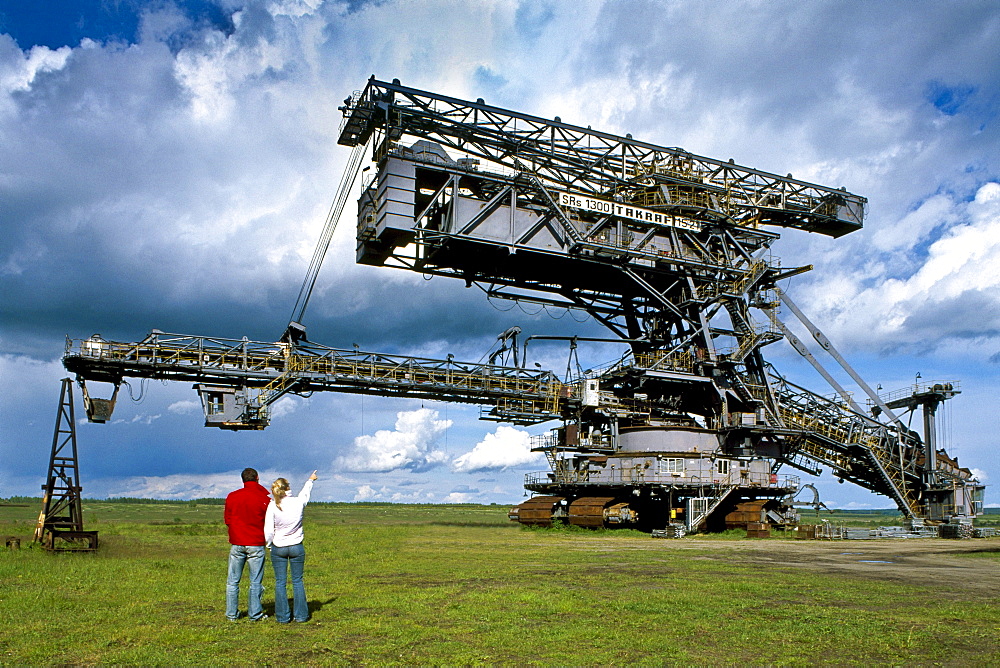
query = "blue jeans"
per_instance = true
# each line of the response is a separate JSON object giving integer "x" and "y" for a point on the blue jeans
{"x": 253, "y": 556}
{"x": 281, "y": 559}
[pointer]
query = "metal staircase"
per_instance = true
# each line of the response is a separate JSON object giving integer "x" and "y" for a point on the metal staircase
{"x": 834, "y": 435}
{"x": 697, "y": 518}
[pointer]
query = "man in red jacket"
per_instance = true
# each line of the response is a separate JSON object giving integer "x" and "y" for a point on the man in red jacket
{"x": 245, "y": 510}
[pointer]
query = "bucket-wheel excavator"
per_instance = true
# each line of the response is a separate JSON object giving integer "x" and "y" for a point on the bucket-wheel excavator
{"x": 670, "y": 251}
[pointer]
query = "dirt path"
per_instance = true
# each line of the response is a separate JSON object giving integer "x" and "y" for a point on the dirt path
{"x": 963, "y": 566}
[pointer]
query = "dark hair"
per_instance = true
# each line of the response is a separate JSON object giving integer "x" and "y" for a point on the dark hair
{"x": 249, "y": 474}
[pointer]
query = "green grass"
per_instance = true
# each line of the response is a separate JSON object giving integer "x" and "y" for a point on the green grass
{"x": 433, "y": 585}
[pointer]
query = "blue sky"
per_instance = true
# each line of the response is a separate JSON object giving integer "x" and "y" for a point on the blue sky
{"x": 169, "y": 165}
{"x": 67, "y": 22}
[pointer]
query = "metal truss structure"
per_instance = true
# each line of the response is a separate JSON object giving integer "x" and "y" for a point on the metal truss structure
{"x": 239, "y": 380}
{"x": 60, "y": 523}
{"x": 670, "y": 251}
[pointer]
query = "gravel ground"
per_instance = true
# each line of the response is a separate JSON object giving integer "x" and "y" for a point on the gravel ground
{"x": 961, "y": 566}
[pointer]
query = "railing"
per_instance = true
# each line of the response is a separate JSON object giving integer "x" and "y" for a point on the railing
{"x": 919, "y": 388}
{"x": 837, "y": 427}
{"x": 651, "y": 477}
{"x": 659, "y": 360}
{"x": 366, "y": 226}
{"x": 730, "y": 190}
{"x": 758, "y": 333}
{"x": 549, "y": 441}
{"x": 276, "y": 368}
{"x": 350, "y": 102}
{"x": 756, "y": 270}
{"x": 196, "y": 353}
{"x": 696, "y": 519}
{"x": 742, "y": 282}
{"x": 675, "y": 196}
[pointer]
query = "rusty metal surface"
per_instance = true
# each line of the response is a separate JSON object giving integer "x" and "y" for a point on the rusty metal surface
{"x": 745, "y": 513}
{"x": 588, "y": 511}
{"x": 536, "y": 511}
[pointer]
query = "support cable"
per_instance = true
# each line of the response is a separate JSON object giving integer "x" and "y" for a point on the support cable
{"x": 336, "y": 208}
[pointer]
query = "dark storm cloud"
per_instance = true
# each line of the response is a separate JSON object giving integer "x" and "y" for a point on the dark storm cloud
{"x": 128, "y": 209}
{"x": 971, "y": 315}
{"x": 396, "y": 316}
{"x": 836, "y": 81}
{"x": 119, "y": 205}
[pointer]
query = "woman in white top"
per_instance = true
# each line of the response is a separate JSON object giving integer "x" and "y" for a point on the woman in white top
{"x": 283, "y": 533}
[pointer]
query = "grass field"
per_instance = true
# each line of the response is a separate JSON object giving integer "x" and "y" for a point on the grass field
{"x": 433, "y": 585}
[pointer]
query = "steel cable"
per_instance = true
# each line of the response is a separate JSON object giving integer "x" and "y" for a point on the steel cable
{"x": 336, "y": 208}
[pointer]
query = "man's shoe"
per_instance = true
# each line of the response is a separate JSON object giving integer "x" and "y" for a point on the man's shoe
{"x": 259, "y": 619}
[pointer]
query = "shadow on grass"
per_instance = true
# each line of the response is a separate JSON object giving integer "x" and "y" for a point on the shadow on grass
{"x": 314, "y": 606}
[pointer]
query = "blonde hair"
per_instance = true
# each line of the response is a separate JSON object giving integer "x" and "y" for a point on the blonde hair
{"x": 279, "y": 490}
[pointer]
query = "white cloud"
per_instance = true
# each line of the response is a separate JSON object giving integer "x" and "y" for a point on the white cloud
{"x": 184, "y": 407}
{"x": 26, "y": 378}
{"x": 386, "y": 493}
{"x": 980, "y": 475}
{"x": 911, "y": 229}
{"x": 145, "y": 419}
{"x": 855, "y": 505}
{"x": 504, "y": 448}
{"x": 952, "y": 294}
{"x": 409, "y": 446}
{"x": 17, "y": 73}
{"x": 368, "y": 493}
{"x": 176, "y": 486}
{"x": 188, "y": 485}
{"x": 418, "y": 496}
{"x": 283, "y": 407}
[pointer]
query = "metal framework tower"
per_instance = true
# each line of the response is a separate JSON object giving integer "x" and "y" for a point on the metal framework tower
{"x": 60, "y": 523}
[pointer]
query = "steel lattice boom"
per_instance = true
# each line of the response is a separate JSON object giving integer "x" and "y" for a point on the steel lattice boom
{"x": 238, "y": 380}
{"x": 597, "y": 163}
